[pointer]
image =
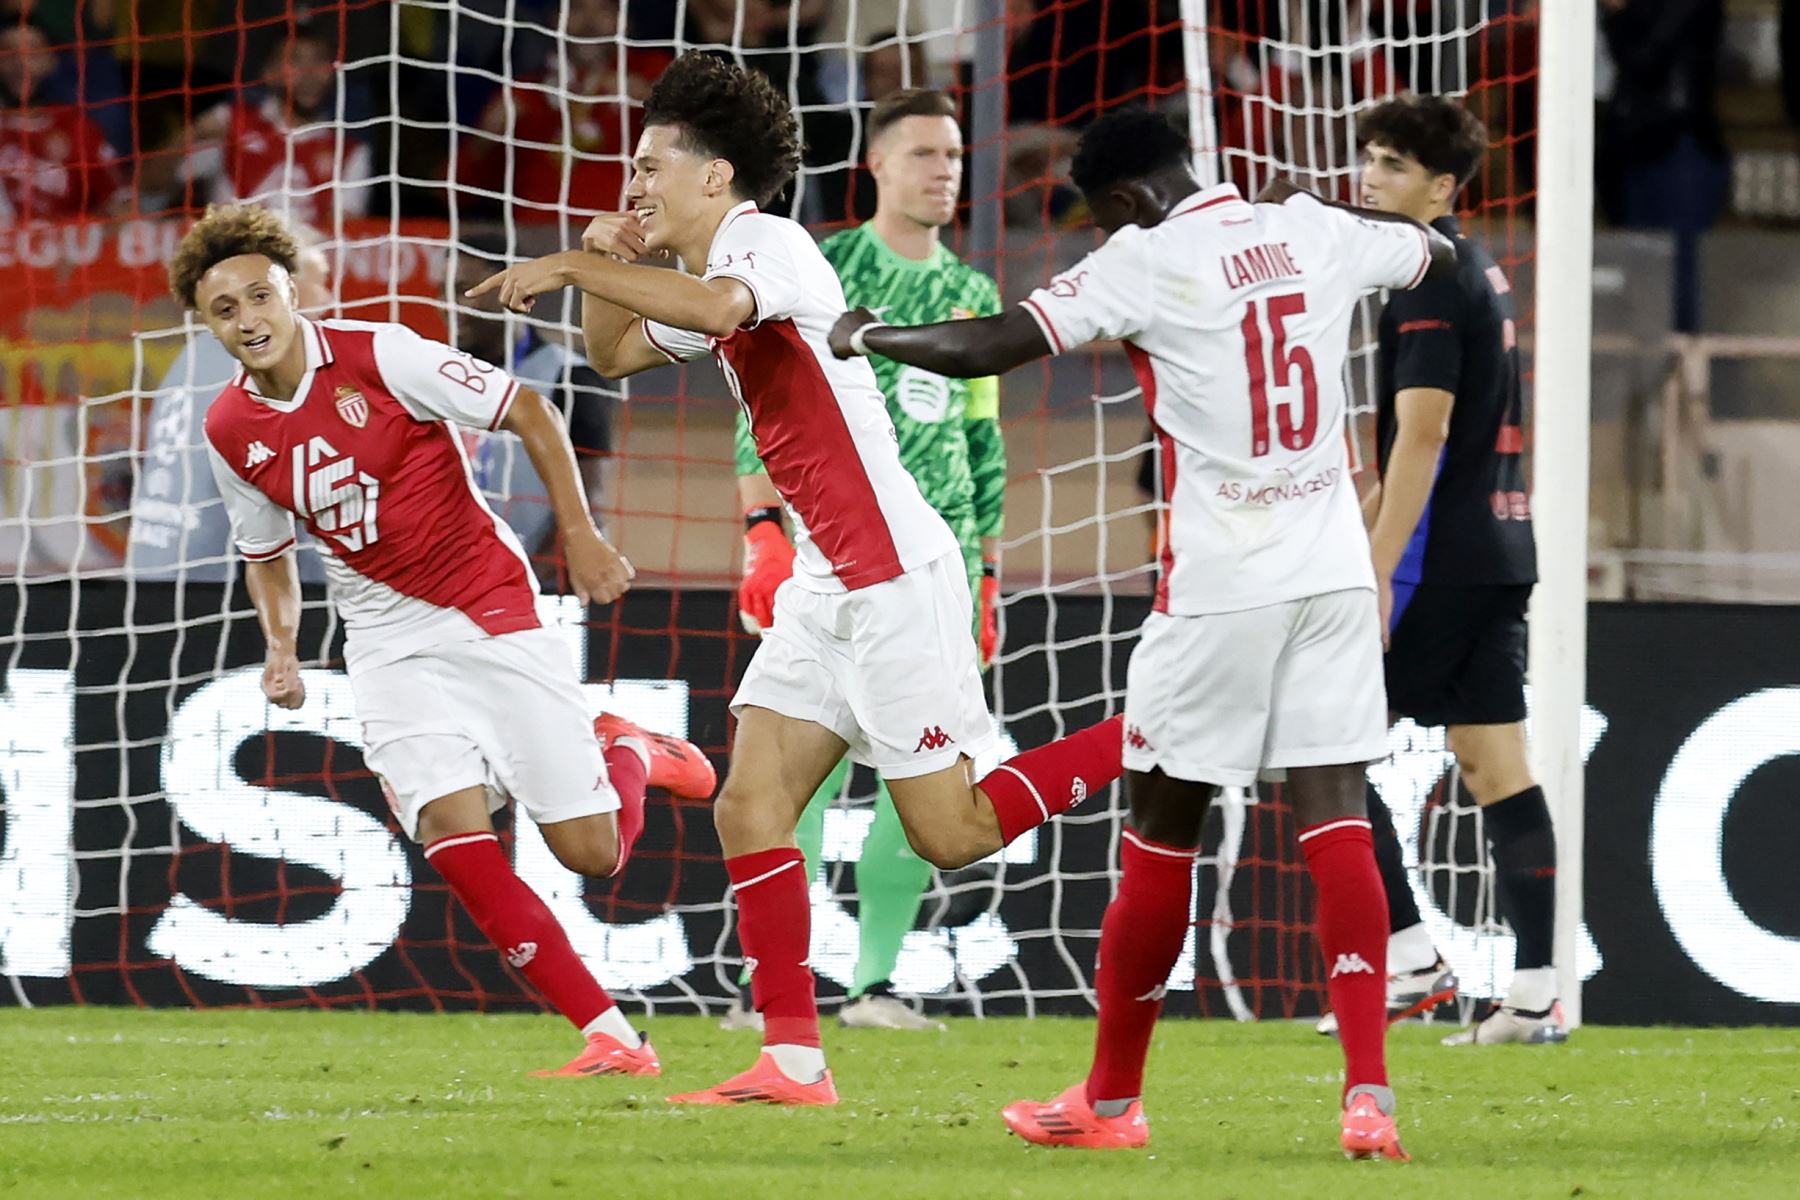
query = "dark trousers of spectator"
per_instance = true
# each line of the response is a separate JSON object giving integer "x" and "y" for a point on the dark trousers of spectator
{"x": 1684, "y": 191}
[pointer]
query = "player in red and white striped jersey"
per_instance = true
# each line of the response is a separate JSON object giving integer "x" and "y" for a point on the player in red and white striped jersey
{"x": 869, "y": 653}
{"x": 464, "y": 696}
{"x": 1264, "y": 651}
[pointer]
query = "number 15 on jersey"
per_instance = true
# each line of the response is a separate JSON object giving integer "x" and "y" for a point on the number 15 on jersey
{"x": 1296, "y": 429}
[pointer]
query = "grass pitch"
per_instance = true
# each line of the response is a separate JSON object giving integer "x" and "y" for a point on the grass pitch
{"x": 101, "y": 1102}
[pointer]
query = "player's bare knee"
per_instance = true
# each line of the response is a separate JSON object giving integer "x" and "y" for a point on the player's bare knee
{"x": 947, "y": 849}
{"x": 745, "y": 822}
{"x": 595, "y": 858}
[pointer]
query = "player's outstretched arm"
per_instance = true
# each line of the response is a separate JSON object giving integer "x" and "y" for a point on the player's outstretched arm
{"x": 275, "y": 594}
{"x": 711, "y": 306}
{"x": 1443, "y": 250}
{"x": 598, "y": 573}
{"x": 964, "y": 349}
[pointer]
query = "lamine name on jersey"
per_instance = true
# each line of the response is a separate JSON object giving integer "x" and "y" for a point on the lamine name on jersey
{"x": 365, "y": 456}
{"x": 1236, "y": 317}
{"x": 820, "y": 423}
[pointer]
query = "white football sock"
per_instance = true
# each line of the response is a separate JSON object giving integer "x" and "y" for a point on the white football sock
{"x": 802, "y": 1064}
{"x": 1411, "y": 949}
{"x": 1533, "y": 989}
{"x": 613, "y": 1023}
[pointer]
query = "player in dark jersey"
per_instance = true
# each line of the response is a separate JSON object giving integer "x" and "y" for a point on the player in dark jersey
{"x": 1450, "y": 529}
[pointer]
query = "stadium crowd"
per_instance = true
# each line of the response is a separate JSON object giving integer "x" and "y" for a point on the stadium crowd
{"x": 110, "y": 108}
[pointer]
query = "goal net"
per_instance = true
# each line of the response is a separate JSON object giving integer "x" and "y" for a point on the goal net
{"x": 169, "y": 838}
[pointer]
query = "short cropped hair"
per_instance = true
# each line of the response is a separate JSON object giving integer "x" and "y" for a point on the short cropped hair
{"x": 725, "y": 111}
{"x": 895, "y": 107}
{"x": 1445, "y": 137}
{"x": 1126, "y": 143}
{"x": 226, "y": 231}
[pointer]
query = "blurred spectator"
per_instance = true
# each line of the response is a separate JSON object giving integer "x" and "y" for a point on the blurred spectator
{"x": 54, "y": 162}
{"x": 567, "y": 125}
{"x": 1662, "y": 160}
{"x": 1067, "y": 62}
{"x": 890, "y": 64}
{"x": 1077, "y": 58}
{"x": 549, "y": 367}
{"x": 88, "y": 73}
{"x": 285, "y": 150}
{"x": 1298, "y": 69}
{"x": 179, "y": 528}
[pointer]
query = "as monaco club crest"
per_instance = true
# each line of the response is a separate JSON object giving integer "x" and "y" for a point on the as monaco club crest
{"x": 352, "y": 407}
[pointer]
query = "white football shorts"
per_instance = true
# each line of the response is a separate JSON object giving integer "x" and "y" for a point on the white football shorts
{"x": 891, "y": 668}
{"x": 505, "y": 713}
{"x": 1226, "y": 697}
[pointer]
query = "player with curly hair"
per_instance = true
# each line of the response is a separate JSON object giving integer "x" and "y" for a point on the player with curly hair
{"x": 869, "y": 653}
{"x": 465, "y": 697}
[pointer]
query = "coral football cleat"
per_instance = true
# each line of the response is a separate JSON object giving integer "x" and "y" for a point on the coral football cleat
{"x": 763, "y": 1084}
{"x": 605, "y": 1054}
{"x": 1369, "y": 1129}
{"x": 673, "y": 763}
{"x": 1069, "y": 1120}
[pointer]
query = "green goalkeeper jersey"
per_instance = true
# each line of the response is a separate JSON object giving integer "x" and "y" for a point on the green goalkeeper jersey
{"x": 949, "y": 429}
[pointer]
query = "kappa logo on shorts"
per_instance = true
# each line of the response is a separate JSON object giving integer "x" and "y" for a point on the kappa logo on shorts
{"x": 1351, "y": 964}
{"x": 521, "y": 955}
{"x": 934, "y": 738}
{"x": 1134, "y": 737}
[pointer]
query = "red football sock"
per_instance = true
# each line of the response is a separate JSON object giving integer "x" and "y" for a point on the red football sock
{"x": 1353, "y": 933}
{"x": 629, "y": 778}
{"x": 517, "y": 922}
{"x": 775, "y": 931}
{"x": 1030, "y": 788}
{"x": 1140, "y": 939}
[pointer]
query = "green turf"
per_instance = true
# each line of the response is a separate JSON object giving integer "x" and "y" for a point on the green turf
{"x": 122, "y": 1103}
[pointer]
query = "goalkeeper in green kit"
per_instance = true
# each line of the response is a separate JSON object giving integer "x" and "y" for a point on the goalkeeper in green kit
{"x": 949, "y": 433}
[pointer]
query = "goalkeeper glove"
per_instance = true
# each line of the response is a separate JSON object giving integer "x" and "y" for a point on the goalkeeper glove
{"x": 768, "y": 561}
{"x": 990, "y": 606}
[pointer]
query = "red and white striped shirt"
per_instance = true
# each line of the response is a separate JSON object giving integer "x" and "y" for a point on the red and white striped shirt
{"x": 820, "y": 423}
{"x": 364, "y": 456}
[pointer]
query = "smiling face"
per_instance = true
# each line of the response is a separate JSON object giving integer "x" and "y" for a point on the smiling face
{"x": 249, "y": 304}
{"x": 677, "y": 192}
{"x": 917, "y": 163}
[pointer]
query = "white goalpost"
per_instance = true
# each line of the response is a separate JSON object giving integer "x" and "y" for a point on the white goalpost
{"x": 1562, "y": 364}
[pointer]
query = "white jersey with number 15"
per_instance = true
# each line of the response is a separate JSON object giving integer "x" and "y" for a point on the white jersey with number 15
{"x": 1236, "y": 317}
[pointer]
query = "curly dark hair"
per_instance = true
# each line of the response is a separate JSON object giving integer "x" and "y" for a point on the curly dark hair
{"x": 1445, "y": 137}
{"x": 725, "y": 111}
{"x": 226, "y": 231}
{"x": 1126, "y": 143}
